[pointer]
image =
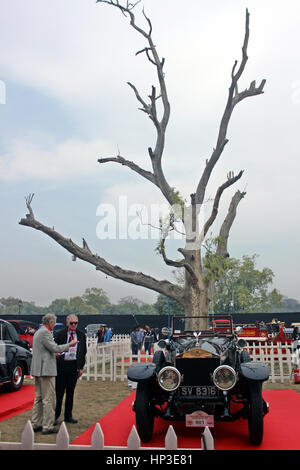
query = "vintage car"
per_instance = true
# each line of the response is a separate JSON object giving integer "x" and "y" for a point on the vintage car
{"x": 201, "y": 377}
{"x": 272, "y": 332}
{"x": 25, "y": 330}
{"x": 15, "y": 360}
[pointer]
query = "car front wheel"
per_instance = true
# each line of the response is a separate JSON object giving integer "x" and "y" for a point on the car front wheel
{"x": 144, "y": 412}
{"x": 255, "y": 413}
{"x": 17, "y": 378}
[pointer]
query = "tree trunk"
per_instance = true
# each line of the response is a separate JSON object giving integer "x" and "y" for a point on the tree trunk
{"x": 195, "y": 295}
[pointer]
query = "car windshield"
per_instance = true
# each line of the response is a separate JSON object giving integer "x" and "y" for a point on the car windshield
{"x": 212, "y": 344}
{"x": 216, "y": 326}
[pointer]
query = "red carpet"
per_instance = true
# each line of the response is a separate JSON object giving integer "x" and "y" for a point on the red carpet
{"x": 14, "y": 403}
{"x": 281, "y": 427}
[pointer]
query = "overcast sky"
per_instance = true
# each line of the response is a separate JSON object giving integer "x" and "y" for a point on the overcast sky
{"x": 65, "y": 102}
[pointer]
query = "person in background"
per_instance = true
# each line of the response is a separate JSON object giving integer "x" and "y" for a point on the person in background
{"x": 140, "y": 338}
{"x": 296, "y": 339}
{"x": 69, "y": 367}
{"x": 44, "y": 370}
{"x": 134, "y": 340}
{"x": 100, "y": 334}
{"x": 296, "y": 334}
{"x": 108, "y": 335}
{"x": 149, "y": 337}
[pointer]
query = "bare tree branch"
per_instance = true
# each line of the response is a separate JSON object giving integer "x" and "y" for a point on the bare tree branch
{"x": 177, "y": 264}
{"x": 28, "y": 200}
{"x": 149, "y": 109}
{"x": 228, "y": 221}
{"x": 146, "y": 174}
{"x": 230, "y": 181}
{"x": 160, "y": 125}
{"x": 169, "y": 262}
{"x": 234, "y": 97}
{"x": 222, "y": 249}
{"x": 162, "y": 286}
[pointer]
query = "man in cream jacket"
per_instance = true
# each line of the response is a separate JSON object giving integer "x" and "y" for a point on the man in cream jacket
{"x": 43, "y": 368}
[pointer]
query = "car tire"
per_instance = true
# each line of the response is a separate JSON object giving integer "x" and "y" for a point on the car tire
{"x": 16, "y": 378}
{"x": 144, "y": 413}
{"x": 255, "y": 413}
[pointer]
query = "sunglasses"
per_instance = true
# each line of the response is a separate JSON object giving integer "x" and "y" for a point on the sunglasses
{"x": 73, "y": 322}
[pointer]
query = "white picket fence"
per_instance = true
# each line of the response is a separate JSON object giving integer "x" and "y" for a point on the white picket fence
{"x": 97, "y": 441}
{"x": 278, "y": 356}
{"x": 111, "y": 360}
{"x": 115, "y": 338}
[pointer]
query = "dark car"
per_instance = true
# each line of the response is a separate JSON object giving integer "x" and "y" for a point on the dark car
{"x": 15, "y": 359}
{"x": 25, "y": 329}
{"x": 197, "y": 376}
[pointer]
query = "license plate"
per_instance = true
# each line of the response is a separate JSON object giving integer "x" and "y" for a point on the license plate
{"x": 198, "y": 391}
{"x": 199, "y": 419}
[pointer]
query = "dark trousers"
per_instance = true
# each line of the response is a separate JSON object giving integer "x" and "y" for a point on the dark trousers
{"x": 65, "y": 382}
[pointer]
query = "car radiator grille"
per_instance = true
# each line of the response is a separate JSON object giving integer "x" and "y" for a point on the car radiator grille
{"x": 197, "y": 371}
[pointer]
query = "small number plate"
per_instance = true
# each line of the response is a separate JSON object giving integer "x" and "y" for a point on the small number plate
{"x": 199, "y": 419}
{"x": 198, "y": 391}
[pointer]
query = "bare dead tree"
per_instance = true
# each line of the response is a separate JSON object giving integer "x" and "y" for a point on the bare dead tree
{"x": 195, "y": 294}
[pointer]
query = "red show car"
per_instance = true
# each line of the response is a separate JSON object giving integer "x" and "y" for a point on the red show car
{"x": 260, "y": 333}
{"x": 25, "y": 329}
{"x": 272, "y": 332}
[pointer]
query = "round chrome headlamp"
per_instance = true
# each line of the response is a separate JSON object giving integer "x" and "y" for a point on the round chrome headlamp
{"x": 224, "y": 377}
{"x": 169, "y": 378}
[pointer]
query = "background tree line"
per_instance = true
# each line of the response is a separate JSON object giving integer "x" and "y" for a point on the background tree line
{"x": 241, "y": 287}
{"x": 94, "y": 301}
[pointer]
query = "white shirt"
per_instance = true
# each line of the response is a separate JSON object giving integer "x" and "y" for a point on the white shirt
{"x": 71, "y": 354}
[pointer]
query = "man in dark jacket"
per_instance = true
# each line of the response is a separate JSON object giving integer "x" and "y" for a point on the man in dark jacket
{"x": 69, "y": 367}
